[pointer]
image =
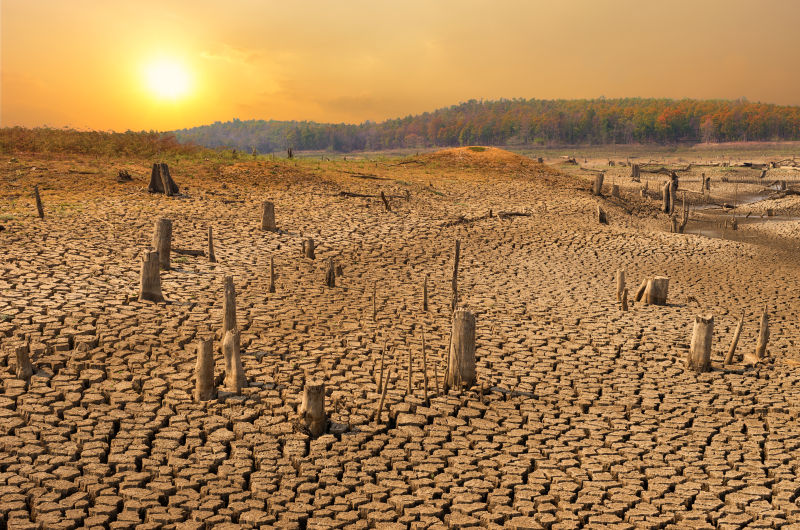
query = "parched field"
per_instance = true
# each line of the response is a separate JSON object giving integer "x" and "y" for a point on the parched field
{"x": 584, "y": 415}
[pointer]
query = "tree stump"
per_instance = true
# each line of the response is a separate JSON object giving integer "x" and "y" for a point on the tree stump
{"x": 161, "y": 180}
{"x": 235, "y": 379}
{"x": 312, "y": 408}
{"x": 150, "y": 289}
{"x": 308, "y": 248}
{"x": 204, "y": 371}
{"x": 330, "y": 274}
{"x": 162, "y": 241}
{"x": 212, "y": 258}
{"x": 38, "y": 199}
{"x": 602, "y": 218}
{"x": 640, "y": 291}
{"x": 156, "y": 184}
{"x": 620, "y": 277}
{"x": 615, "y": 190}
{"x": 635, "y": 173}
{"x": 665, "y": 196}
{"x": 24, "y": 368}
{"x": 673, "y": 192}
{"x": 625, "y": 299}
{"x": 699, "y": 358}
{"x": 166, "y": 180}
{"x": 461, "y": 370}
{"x": 598, "y": 184}
{"x": 425, "y": 293}
{"x": 385, "y": 202}
{"x": 763, "y": 339}
{"x": 268, "y": 217}
{"x": 735, "y": 340}
{"x": 656, "y": 291}
{"x": 228, "y": 306}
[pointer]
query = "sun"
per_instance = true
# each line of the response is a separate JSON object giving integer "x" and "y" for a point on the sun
{"x": 167, "y": 79}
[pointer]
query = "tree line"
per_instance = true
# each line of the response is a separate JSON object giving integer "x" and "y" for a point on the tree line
{"x": 519, "y": 122}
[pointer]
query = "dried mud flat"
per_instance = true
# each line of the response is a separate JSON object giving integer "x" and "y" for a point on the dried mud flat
{"x": 584, "y": 414}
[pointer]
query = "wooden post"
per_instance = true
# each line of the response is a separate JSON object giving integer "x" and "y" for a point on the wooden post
{"x": 763, "y": 340}
{"x": 228, "y": 306}
{"x": 615, "y": 190}
{"x": 162, "y": 241}
{"x": 383, "y": 396}
{"x": 425, "y": 293}
{"x": 673, "y": 192}
{"x": 699, "y": 358}
{"x": 625, "y": 299}
{"x": 330, "y": 274}
{"x": 204, "y": 371}
{"x": 272, "y": 274}
{"x": 640, "y": 291}
{"x": 24, "y": 368}
{"x": 235, "y": 379}
{"x": 212, "y": 258}
{"x": 38, "y": 199}
{"x": 385, "y": 202}
{"x": 461, "y": 370}
{"x": 665, "y": 207}
{"x": 735, "y": 340}
{"x": 308, "y": 249}
{"x": 268, "y": 216}
{"x": 455, "y": 275}
{"x": 150, "y": 289}
{"x": 383, "y": 358}
{"x": 620, "y": 277}
{"x": 374, "y": 301}
{"x": 312, "y": 408}
{"x": 656, "y": 291}
{"x": 635, "y": 173}
{"x": 598, "y": 184}
{"x": 410, "y": 390}
{"x": 601, "y": 216}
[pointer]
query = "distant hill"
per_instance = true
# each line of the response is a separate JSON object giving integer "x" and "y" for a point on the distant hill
{"x": 519, "y": 122}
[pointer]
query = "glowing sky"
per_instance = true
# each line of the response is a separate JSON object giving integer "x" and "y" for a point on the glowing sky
{"x": 91, "y": 63}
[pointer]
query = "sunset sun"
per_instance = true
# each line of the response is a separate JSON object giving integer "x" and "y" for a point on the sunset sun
{"x": 167, "y": 79}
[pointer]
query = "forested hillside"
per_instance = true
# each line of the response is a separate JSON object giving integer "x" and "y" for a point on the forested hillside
{"x": 520, "y": 122}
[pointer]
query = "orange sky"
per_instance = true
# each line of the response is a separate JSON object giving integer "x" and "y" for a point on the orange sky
{"x": 84, "y": 63}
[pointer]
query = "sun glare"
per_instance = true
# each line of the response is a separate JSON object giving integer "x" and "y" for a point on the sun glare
{"x": 167, "y": 79}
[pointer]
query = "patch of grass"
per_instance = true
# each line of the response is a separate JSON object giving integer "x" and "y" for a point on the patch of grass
{"x": 6, "y": 318}
{"x": 182, "y": 259}
{"x": 7, "y": 217}
{"x": 477, "y": 148}
{"x": 403, "y": 182}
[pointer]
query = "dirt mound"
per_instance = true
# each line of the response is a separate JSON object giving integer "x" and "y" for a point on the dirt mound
{"x": 479, "y": 157}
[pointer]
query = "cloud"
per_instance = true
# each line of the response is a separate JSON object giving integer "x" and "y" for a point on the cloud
{"x": 233, "y": 55}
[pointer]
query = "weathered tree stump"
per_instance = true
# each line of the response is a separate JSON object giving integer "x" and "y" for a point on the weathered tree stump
{"x": 624, "y": 300}
{"x": 763, "y": 339}
{"x": 666, "y": 207}
{"x": 330, "y": 274}
{"x": 620, "y": 278}
{"x": 461, "y": 368}
{"x": 375, "y": 302}
{"x": 656, "y": 291}
{"x": 166, "y": 180}
{"x": 598, "y": 184}
{"x": 673, "y": 192}
{"x": 156, "y": 184}
{"x": 150, "y": 289}
{"x": 212, "y": 258}
{"x": 308, "y": 248}
{"x": 161, "y": 180}
{"x": 735, "y": 340}
{"x": 615, "y": 190}
{"x": 312, "y": 408}
{"x": 204, "y": 371}
{"x": 162, "y": 241}
{"x": 24, "y": 368}
{"x": 385, "y": 202}
{"x": 425, "y": 293}
{"x": 424, "y": 368}
{"x": 228, "y": 306}
{"x": 456, "y": 257}
{"x": 271, "y": 274}
{"x": 235, "y": 379}
{"x": 640, "y": 291}
{"x": 410, "y": 388}
{"x": 602, "y": 218}
{"x": 268, "y": 217}
{"x": 635, "y": 176}
{"x": 699, "y": 358}
{"x": 379, "y": 409}
{"x": 38, "y": 199}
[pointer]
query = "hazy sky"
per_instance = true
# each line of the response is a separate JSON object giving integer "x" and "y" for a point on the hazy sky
{"x": 92, "y": 63}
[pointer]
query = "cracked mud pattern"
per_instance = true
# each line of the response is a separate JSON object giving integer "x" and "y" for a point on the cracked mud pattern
{"x": 584, "y": 415}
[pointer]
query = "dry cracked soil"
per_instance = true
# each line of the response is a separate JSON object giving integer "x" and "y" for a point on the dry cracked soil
{"x": 584, "y": 415}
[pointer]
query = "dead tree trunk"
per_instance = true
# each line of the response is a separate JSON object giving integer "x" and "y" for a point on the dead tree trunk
{"x": 212, "y": 258}
{"x": 162, "y": 241}
{"x": 271, "y": 274}
{"x": 228, "y": 306}
{"x": 625, "y": 299}
{"x": 385, "y": 202}
{"x": 166, "y": 179}
{"x": 735, "y": 340}
{"x": 24, "y": 368}
{"x": 425, "y": 293}
{"x": 38, "y": 199}
{"x": 640, "y": 291}
{"x": 598, "y": 184}
{"x": 156, "y": 184}
{"x": 150, "y": 289}
{"x": 308, "y": 249}
{"x": 635, "y": 173}
{"x": 461, "y": 370}
{"x": 455, "y": 275}
{"x": 665, "y": 197}
{"x": 330, "y": 274}
{"x": 383, "y": 396}
{"x": 620, "y": 277}
{"x": 602, "y": 218}
{"x": 204, "y": 371}
{"x": 424, "y": 368}
{"x": 235, "y": 379}
{"x": 312, "y": 408}
{"x": 656, "y": 291}
{"x": 763, "y": 339}
{"x": 699, "y": 358}
{"x": 268, "y": 216}
{"x": 673, "y": 192}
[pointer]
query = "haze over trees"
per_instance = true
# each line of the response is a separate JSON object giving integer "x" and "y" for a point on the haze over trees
{"x": 519, "y": 122}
